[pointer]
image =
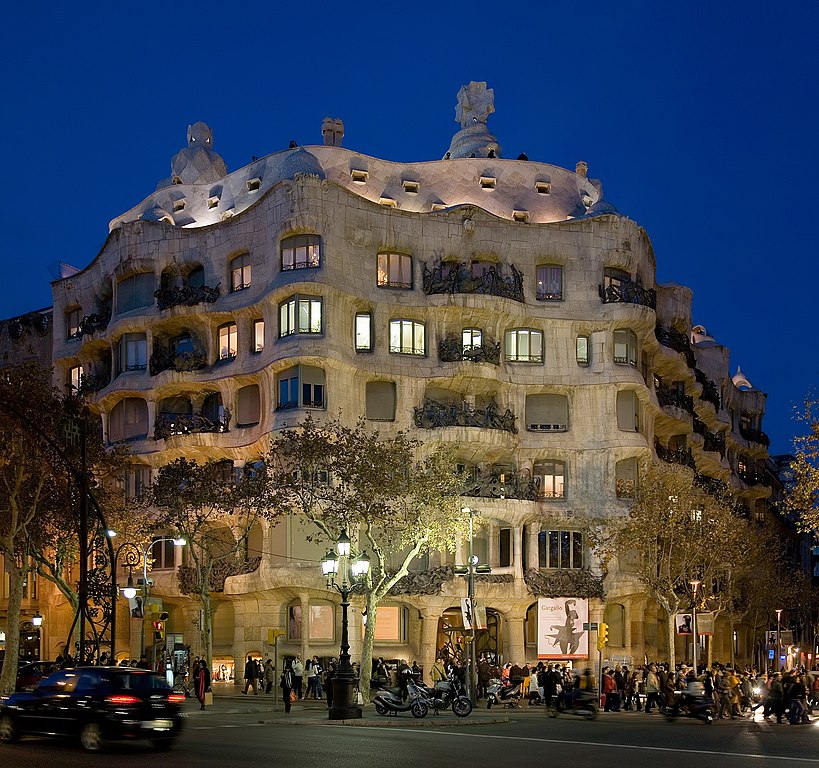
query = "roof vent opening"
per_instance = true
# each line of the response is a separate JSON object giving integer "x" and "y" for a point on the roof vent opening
{"x": 543, "y": 187}
{"x": 488, "y": 182}
{"x": 213, "y": 201}
{"x": 358, "y": 176}
{"x": 254, "y": 184}
{"x": 520, "y": 215}
{"x": 411, "y": 187}
{"x": 179, "y": 205}
{"x": 388, "y": 201}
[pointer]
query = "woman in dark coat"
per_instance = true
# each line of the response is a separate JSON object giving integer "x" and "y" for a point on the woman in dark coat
{"x": 287, "y": 683}
{"x": 201, "y": 682}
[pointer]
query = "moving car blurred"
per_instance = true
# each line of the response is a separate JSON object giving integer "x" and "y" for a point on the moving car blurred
{"x": 31, "y": 672}
{"x": 96, "y": 704}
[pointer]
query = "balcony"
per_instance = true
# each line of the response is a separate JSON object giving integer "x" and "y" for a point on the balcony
{"x": 712, "y": 441}
{"x": 677, "y": 341}
{"x": 675, "y": 399}
{"x": 434, "y": 414}
{"x": 493, "y": 484}
{"x": 712, "y": 486}
{"x": 97, "y": 321}
{"x": 710, "y": 391}
{"x": 754, "y": 435}
{"x": 188, "y": 295}
{"x": 169, "y": 359}
{"x": 628, "y": 293}
{"x": 452, "y": 349}
{"x": 459, "y": 278}
{"x": 171, "y": 424}
{"x": 92, "y": 382}
{"x": 674, "y": 455}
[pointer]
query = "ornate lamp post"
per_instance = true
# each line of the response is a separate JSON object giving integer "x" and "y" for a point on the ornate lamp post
{"x": 353, "y": 578}
{"x": 778, "y": 636}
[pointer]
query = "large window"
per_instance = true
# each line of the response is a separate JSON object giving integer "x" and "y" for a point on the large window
{"x": 625, "y": 347}
{"x": 560, "y": 549}
{"x": 300, "y": 314}
{"x": 228, "y": 341}
{"x": 136, "y": 481}
{"x": 163, "y": 554}
{"x": 132, "y": 353}
{"x": 72, "y": 323}
{"x": 615, "y": 277}
{"x": 628, "y": 410}
{"x": 391, "y": 624}
{"x": 240, "y": 272}
{"x": 258, "y": 335}
{"x": 302, "y": 386}
{"x": 75, "y": 378}
{"x": 301, "y": 252}
{"x": 524, "y": 346}
{"x": 550, "y": 476}
{"x": 407, "y": 337}
{"x": 625, "y": 474}
{"x": 472, "y": 339}
{"x": 550, "y": 282}
{"x": 248, "y": 406}
{"x": 363, "y": 332}
{"x": 128, "y": 420}
{"x": 380, "y": 400}
{"x": 394, "y": 270}
{"x": 547, "y": 413}
{"x": 582, "y": 350}
{"x": 135, "y": 291}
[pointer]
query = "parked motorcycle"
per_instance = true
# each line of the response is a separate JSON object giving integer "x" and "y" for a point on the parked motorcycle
{"x": 508, "y": 695}
{"x": 581, "y": 704}
{"x": 387, "y": 701}
{"x": 445, "y": 694}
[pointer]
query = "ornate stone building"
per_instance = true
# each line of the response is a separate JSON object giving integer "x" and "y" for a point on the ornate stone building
{"x": 500, "y": 304}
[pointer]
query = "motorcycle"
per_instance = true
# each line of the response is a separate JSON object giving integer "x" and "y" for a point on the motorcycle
{"x": 508, "y": 695}
{"x": 691, "y": 703}
{"x": 387, "y": 701}
{"x": 445, "y": 694}
{"x": 581, "y": 704}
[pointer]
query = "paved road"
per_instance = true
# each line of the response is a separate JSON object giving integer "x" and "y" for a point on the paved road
{"x": 633, "y": 739}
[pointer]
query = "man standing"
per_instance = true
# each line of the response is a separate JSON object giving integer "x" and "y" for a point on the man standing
{"x": 298, "y": 671}
{"x": 652, "y": 688}
{"x": 251, "y": 676}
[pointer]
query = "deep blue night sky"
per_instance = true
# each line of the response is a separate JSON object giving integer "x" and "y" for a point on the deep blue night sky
{"x": 699, "y": 119}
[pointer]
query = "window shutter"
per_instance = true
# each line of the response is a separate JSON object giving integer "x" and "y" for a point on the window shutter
{"x": 248, "y": 406}
{"x": 547, "y": 413}
{"x": 135, "y": 418}
{"x": 627, "y": 410}
{"x": 312, "y": 375}
{"x": 380, "y": 397}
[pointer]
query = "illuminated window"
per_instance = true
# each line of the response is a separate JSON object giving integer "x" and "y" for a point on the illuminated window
{"x": 322, "y": 621}
{"x": 582, "y": 350}
{"x": 228, "y": 341}
{"x": 550, "y": 282}
{"x": 75, "y": 378}
{"x": 394, "y": 270}
{"x": 524, "y": 346}
{"x": 363, "y": 332}
{"x": 390, "y": 624}
{"x": 625, "y": 347}
{"x": 560, "y": 549}
{"x": 301, "y": 252}
{"x": 258, "y": 335}
{"x": 300, "y": 314}
{"x": 550, "y": 477}
{"x": 72, "y": 323}
{"x": 407, "y": 337}
{"x": 472, "y": 339}
{"x": 240, "y": 272}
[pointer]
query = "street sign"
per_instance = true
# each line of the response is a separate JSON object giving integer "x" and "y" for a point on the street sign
{"x": 771, "y": 654}
{"x": 590, "y": 625}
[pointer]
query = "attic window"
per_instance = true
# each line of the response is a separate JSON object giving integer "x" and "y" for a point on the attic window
{"x": 438, "y": 206}
{"x": 179, "y": 205}
{"x": 586, "y": 198}
{"x": 227, "y": 214}
{"x": 213, "y": 201}
{"x": 176, "y": 180}
{"x": 358, "y": 176}
{"x": 488, "y": 182}
{"x": 543, "y": 187}
{"x": 411, "y": 187}
{"x": 520, "y": 215}
{"x": 388, "y": 201}
{"x": 253, "y": 184}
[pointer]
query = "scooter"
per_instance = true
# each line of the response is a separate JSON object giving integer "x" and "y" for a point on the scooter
{"x": 446, "y": 693}
{"x": 695, "y": 704}
{"x": 581, "y": 704}
{"x": 387, "y": 701}
{"x": 508, "y": 695}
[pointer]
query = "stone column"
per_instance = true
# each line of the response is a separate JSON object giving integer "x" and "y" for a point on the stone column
{"x": 515, "y": 647}
{"x": 492, "y": 548}
{"x": 304, "y": 602}
{"x": 517, "y": 550}
{"x": 532, "y": 545}
{"x": 460, "y": 557}
{"x": 429, "y": 639}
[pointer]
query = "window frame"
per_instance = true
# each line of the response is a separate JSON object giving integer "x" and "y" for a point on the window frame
{"x": 232, "y": 352}
{"x": 74, "y": 378}
{"x": 130, "y": 283}
{"x": 290, "y": 311}
{"x": 632, "y": 347}
{"x": 241, "y": 267}
{"x": 258, "y": 347}
{"x": 544, "y": 295}
{"x": 73, "y": 318}
{"x": 127, "y": 342}
{"x": 368, "y": 315}
{"x": 414, "y": 325}
{"x": 583, "y": 359}
{"x": 299, "y": 388}
{"x": 386, "y": 271}
{"x": 517, "y": 333}
{"x": 311, "y": 241}
{"x": 471, "y": 339}
{"x": 545, "y": 549}
{"x": 540, "y": 478}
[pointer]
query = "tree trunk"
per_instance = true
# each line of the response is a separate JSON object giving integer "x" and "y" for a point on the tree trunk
{"x": 207, "y": 625}
{"x": 8, "y": 677}
{"x": 672, "y": 639}
{"x": 367, "y": 646}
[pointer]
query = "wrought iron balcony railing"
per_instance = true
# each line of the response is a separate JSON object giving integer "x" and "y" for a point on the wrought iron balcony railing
{"x": 754, "y": 435}
{"x": 434, "y": 414}
{"x": 459, "y": 278}
{"x": 452, "y": 349}
{"x": 674, "y": 456}
{"x": 165, "y": 359}
{"x": 710, "y": 391}
{"x": 676, "y": 399}
{"x": 189, "y": 295}
{"x": 629, "y": 293}
{"x": 491, "y": 484}
{"x": 96, "y": 321}
{"x": 169, "y": 424}
{"x": 677, "y": 341}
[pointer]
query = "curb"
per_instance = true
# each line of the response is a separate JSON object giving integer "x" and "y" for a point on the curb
{"x": 392, "y": 722}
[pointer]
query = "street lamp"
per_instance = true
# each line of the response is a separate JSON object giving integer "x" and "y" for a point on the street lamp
{"x": 178, "y": 542}
{"x": 695, "y": 583}
{"x": 778, "y": 635}
{"x": 37, "y": 620}
{"x": 353, "y": 578}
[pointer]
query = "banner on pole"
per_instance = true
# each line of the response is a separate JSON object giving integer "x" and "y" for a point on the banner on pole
{"x": 560, "y": 633}
{"x": 705, "y": 623}
{"x": 479, "y": 617}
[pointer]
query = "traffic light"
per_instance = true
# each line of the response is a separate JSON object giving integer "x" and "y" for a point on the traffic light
{"x": 602, "y": 635}
{"x": 159, "y": 630}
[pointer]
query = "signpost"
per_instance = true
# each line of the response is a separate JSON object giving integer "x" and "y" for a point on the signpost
{"x": 273, "y": 636}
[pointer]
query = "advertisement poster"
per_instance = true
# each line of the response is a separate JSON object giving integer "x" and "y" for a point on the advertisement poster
{"x": 684, "y": 624}
{"x": 560, "y": 633}
{"x": 480, "y": 614}
{"x": 705, "y": 623}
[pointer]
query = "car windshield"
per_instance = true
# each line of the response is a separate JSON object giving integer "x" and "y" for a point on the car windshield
{"x": 138, "y": 682}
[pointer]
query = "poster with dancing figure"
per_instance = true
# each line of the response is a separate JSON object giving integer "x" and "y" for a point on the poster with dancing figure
{"x": 560, "y": 633}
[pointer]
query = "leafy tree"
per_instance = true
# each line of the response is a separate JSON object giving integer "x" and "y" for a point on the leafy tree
{"x": 393, "y": 499}
{"x": 803, "y": 494}
{"x": 214, "y": 513}
{"x": 676, "y": 532}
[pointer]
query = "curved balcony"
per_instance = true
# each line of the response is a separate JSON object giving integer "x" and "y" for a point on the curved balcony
{"x": 675, "y": 456}
{"x": 676, "y": 399}
{"x": 96, "y": 321}
{"x": 677, "y": 341}
{"x": 460, "y": 278}
{"x": 452, "y": 349}
{"x": 170, "y": 424}
{"x": 168, "y": 359}
{"x": 628, "y": 293}
{"x": 187, "y": 295}
{"x": 754, "y": 436}
{"x": 502, "y": 485}
{"x": 434, "y": 414}
{"x": 710, "y": 391}
{"x": 712, "y": 441}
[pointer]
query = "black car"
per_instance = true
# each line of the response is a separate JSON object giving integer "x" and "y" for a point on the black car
{"x": 96, "y": 704}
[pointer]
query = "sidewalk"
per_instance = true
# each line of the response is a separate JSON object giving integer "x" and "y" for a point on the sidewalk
{"x": 229, "y": 700}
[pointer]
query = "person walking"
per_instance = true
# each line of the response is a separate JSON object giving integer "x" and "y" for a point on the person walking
{"x": 251, "y": 675}
{"x": 287, "y": 684}
{"x": 776, "y": 698}
{"x": 310, "y": 674}
{"x": 328, "y": 682}
{"x": 319, "y": 671}
{"x": 202, "y": 682}
{"x": 298, "y": 671}
{"x": 652, "y": 689}
{"x": 269, "y": 675}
